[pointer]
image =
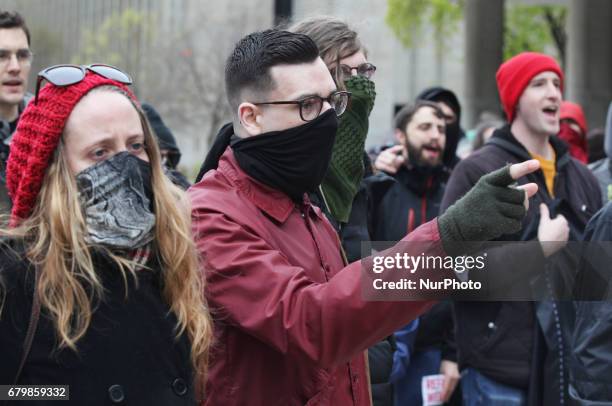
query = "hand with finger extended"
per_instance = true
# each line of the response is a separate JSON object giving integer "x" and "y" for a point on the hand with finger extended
{"x": 553, "y": 233}
{"x": 489, "y": 210}
{"x": 390, "y": 159}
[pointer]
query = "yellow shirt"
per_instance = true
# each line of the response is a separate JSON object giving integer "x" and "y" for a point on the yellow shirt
{"x": 547, "y": 166}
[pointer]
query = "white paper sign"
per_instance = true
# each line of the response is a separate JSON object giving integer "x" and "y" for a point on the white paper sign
{"x": 431, "y": 388}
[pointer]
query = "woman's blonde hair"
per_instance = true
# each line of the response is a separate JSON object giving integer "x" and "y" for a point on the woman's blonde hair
{"x": 69, "y": 284}
{"x": 335, "y": 40}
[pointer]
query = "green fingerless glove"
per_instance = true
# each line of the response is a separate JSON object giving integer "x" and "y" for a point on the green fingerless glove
{"x": 489, "y": 210}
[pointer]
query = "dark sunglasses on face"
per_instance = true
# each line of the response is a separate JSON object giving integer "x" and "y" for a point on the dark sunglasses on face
{"x": 366, "y": 70}
{"x": 311, "y": 106}
{"x": 66, "y": 75}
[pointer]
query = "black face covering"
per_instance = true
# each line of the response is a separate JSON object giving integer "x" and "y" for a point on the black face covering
{"x": 293, "y": 161}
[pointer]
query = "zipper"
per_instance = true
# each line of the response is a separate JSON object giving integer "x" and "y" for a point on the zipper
{"x": 410, "y": 220}
{"x": 424, "y": 200}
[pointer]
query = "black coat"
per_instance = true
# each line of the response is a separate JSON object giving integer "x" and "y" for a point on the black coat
{"x": 591, "y": 356}
{"x": 398, "y": 206}
{"x": 129, "y": 352}
{"x": 500, "y": 339}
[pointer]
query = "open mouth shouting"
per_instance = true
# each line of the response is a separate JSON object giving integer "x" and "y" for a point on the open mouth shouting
{"x": 551, "y": 112}
{"x": 431, "y": 151}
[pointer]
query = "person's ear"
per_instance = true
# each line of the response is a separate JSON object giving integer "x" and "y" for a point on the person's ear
{"x": 249, "y": 116}
{"x": 400, "y": 137}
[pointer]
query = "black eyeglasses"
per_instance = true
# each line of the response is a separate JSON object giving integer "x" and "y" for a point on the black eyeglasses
{"x": 311, "y": 106}
{"x": 366, "y": 70}
{"x": 66, "y": 75}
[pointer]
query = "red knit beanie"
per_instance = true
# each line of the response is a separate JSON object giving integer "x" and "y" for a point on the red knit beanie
{"x": 514, "y": 75}
{"x": 38, "y": 134}
{"x": 574, "y": 112}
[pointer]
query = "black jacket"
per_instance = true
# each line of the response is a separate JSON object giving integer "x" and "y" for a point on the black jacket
{"x": 397, "y": 208}
{"x": 500, "y": 339}
{"x": 591, "y": 356}
{"x": 129, "y": 350}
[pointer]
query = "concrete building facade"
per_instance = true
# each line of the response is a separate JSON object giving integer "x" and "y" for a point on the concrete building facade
{"x": 176, "y": 50}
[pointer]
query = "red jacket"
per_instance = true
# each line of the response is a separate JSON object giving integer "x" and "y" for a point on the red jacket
{"x": 290, "y": 323}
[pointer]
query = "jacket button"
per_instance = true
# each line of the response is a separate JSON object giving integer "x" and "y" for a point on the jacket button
{"x": 179, "y": 386}
{"x": 491, "y": 325}
{"x": 115, "y": 393}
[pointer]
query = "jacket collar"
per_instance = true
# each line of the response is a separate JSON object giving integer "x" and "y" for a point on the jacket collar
{"x": 273, "y": 202}
{"x": 504, "y": 139}
{"x": 421, "y": 180}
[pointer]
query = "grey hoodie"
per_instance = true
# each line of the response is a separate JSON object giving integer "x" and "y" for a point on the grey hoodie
{"x": 602, "y": 169}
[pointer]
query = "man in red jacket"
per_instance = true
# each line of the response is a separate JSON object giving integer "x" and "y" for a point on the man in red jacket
{"x": 290, "y": 319}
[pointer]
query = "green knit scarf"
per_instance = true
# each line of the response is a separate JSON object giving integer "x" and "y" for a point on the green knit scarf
{"x": 345, "y": 172}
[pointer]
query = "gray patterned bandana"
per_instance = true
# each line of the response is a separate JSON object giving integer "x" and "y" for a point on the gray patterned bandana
{"x": 116, "y": 197}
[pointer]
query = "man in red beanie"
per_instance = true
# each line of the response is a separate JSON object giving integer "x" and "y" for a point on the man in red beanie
{"x": 573, "y": 130}
{"x": 500, "y": 344}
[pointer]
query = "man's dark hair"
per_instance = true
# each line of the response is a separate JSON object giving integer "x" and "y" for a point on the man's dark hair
{"x": 14, "y": 20}
{"x": 404, "y": 116}
{"x": 248, "y": 66}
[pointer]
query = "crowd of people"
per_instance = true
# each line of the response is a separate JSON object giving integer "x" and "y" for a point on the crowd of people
{"x": 125, "y": 281}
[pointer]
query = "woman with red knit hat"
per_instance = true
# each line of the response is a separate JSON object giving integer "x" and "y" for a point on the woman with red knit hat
{"x": 99, "y": 275}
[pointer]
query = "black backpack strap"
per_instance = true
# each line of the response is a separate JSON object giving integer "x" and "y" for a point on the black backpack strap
{"x": 35, "y": 315}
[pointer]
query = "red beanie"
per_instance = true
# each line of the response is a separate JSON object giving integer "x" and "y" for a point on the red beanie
{"x": 514, "y": 75}
{"x": 574, "y": 112}
{"x": 38, "y": 133}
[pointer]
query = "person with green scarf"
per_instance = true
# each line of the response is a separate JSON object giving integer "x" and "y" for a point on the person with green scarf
{"x": 346, "y": 58}
{"x": 343, "y": 195}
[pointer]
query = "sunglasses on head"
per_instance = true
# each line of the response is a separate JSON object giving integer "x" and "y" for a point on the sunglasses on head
{"x": 66, "y": 75}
